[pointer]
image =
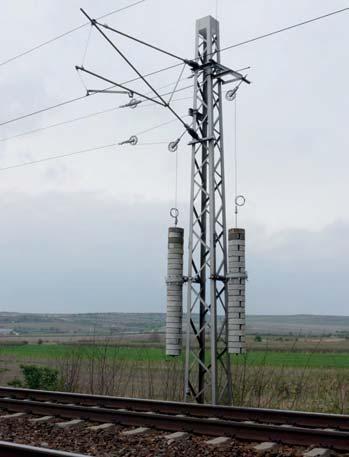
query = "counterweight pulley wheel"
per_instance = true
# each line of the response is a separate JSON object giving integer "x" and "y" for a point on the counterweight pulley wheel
{"x": 173, "y": 146}
{"x": 231, "y": 94}
{"x": 240, "y": 200}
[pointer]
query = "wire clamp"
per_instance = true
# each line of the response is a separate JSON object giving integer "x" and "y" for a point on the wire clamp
{"x": 133, "y": 103}
{"x": 133, "y": 140}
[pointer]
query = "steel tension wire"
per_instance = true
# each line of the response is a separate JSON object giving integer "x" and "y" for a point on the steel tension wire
{"x": 156, "y": 48}
{"x": 178, "y": 81}
{"x": 133, "y": 140}
{"x": 174, "y": 212}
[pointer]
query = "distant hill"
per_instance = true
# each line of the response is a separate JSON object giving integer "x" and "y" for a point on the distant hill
{"x": 302, "y": 324}
{"x": 121, "y": 323}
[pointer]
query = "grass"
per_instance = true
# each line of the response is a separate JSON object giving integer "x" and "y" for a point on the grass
{"x": 59, "y": 351}
{"x": 287, "y": 359}
{"x": 313, "y": 381}
{"x": 296, "y": 359}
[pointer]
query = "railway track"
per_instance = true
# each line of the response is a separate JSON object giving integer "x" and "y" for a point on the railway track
{"x": 20, "y": 450}
{"x": 250, "y": 424}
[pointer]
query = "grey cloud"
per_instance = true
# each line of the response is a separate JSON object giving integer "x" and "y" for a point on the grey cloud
{"x": 301, "y": 271}
{"x": 87, "y": 252}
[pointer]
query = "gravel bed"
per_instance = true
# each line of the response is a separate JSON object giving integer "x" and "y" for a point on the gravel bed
{"x": 110, "y": 443}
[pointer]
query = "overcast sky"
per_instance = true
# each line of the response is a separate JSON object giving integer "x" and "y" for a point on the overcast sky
{"x": 88, "y": 233}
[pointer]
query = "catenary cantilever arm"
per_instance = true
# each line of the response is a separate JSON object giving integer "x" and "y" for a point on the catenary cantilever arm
{"x": 119, "y": 85}
{"x": 191, "y": 132}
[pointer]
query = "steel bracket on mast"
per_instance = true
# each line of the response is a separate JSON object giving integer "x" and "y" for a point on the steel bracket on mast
{"x": 201, "y": 140}
{"x": 219, "y": 278}
{"x": 194, "y": 112}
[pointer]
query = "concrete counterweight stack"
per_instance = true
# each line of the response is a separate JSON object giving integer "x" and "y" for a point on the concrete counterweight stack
{"x": 174, "y": 283}
{"x": 236, "y": 291}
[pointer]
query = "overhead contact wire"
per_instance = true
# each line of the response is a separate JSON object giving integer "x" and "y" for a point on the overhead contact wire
{"x": 68, "y": 32}
{"x": 251, "y": 40}
{"x": 81, "y": 151}
{"x": 59, "y": 156}
{"x": 72, "y": 100}
{"x": 69, "y": 121}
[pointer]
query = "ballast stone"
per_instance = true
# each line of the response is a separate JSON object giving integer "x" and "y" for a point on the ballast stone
{"x": 318, "y": 452}
{"x": 265, "y": 447}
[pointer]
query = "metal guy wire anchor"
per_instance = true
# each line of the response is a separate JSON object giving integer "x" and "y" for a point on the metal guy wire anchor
{"x": 133, "y": 140}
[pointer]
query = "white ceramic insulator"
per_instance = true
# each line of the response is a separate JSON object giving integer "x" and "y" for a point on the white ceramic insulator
{"x": 236, "y": 291}
{"x": 174, "y": 291}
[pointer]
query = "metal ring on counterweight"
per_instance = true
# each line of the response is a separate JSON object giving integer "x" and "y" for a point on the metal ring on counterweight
{"x": 174, "y": 213}
{"x": 240, "y": 200}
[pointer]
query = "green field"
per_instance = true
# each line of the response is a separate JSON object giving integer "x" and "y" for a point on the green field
{"x": 254, "y": 358}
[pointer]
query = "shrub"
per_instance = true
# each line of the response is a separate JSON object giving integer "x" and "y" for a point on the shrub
{"x": 43, "y": 378}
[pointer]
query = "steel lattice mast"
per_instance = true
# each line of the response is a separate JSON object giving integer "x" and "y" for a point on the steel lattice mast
{"x": 211, "y": 336}
{"x": 207, "y": 366}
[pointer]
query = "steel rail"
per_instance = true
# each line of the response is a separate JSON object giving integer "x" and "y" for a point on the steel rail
{"x": 260, "y": 415}
{"x": 290, "y": 435}
{"x": 8, "y": 449}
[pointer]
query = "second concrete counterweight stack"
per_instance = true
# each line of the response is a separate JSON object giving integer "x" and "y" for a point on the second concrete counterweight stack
{"x": 174, "y": 282}
{"x": 236, "y": 291}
